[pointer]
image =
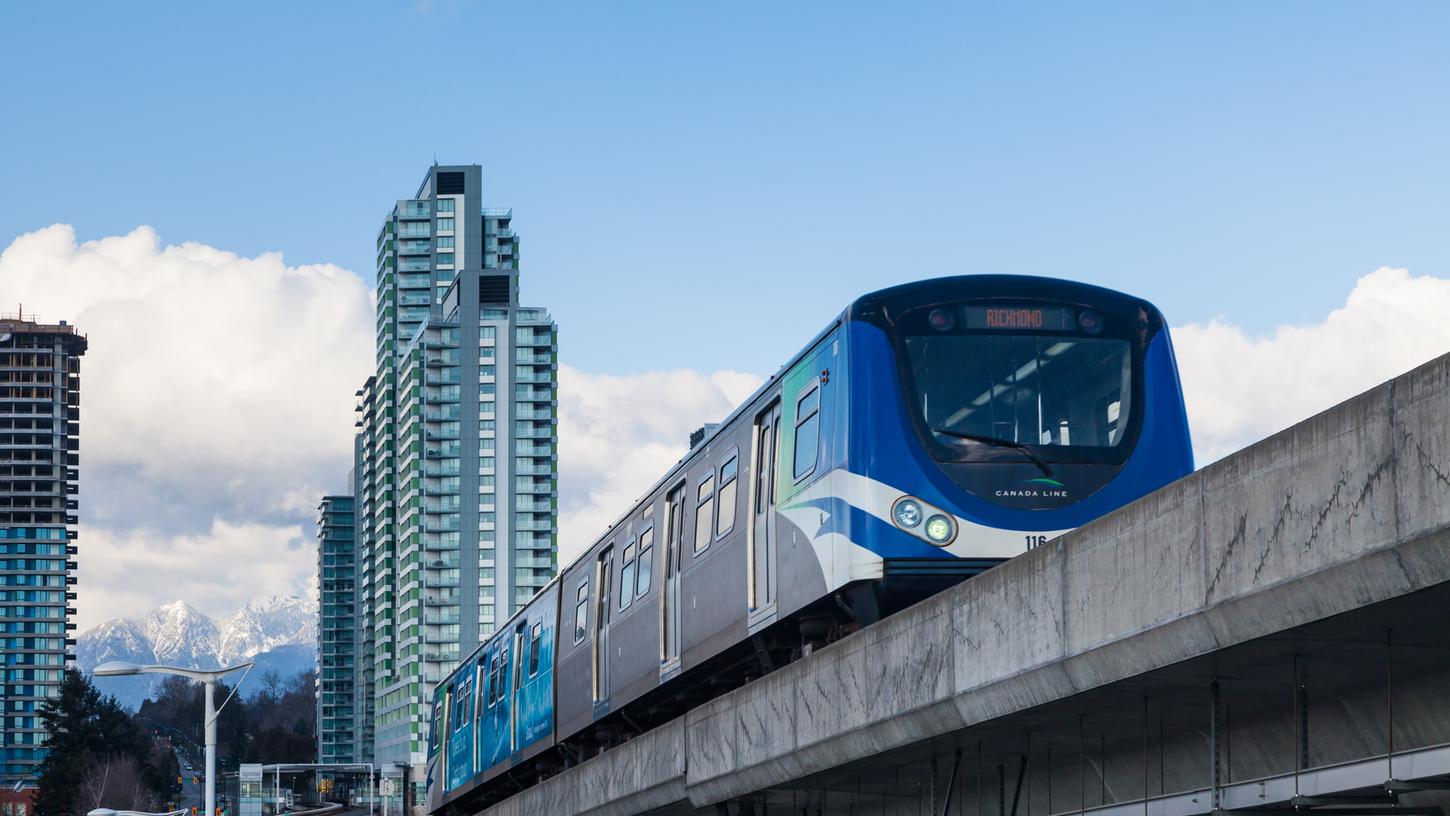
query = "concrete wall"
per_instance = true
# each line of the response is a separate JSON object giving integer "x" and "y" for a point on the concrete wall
{"x": 1344, "y": 510}
{"x": 640, "y": 775}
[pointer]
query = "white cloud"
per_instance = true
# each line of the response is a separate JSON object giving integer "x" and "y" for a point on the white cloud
{"x": 214, "y": 382}
{"x": 216, "y": 404}
{"x": 217, "y": 401}
{"x": 618, "y": 435}
{"x": 1241, "y": 388}
{"x": 217, "y": 570}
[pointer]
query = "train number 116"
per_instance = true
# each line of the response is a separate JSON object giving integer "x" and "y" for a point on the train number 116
{"x": 1035, "y": 541}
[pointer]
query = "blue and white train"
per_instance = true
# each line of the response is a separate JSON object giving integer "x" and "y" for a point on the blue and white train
{"x": 930, "y": 431}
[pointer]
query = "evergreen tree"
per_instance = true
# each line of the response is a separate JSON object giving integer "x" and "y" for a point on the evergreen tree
{"x": 83, "y": 728}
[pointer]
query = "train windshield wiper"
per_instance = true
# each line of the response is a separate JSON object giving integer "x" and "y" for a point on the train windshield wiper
{"x": 998, "y": 442}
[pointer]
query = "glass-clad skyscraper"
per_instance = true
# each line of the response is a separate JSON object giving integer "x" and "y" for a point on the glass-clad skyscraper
{"x": 456, "y": 471}
{"x": 39, "y": 471}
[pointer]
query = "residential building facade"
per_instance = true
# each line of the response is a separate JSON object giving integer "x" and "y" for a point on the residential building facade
{"x": 338, "y": 732}
{"x": 456, "y": 468}
{"x": 39, "y": 476}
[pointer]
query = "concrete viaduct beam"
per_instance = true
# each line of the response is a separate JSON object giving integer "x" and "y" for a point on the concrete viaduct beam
{"x": 1343, "y": 511}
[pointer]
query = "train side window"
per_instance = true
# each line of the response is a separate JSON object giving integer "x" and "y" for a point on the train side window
{"x": 807, "y": 431}
{"x": 460, "y": 708}
{"x": 486, "y": 689}
{"x": 581, "y": 612}
{"x": 536, "y": 636}
{"x": 725, "y": 514}
{"x": 433, "y": 737}
{"x": 704, "y": 508}
{"x": 646, "y": 562}
{"x": 626, "y": 577}
{"x": 480, "y": 672}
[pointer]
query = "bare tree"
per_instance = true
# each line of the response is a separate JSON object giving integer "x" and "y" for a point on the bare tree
{"x": 272, "y": 683}
{"x": 115, "y": 782}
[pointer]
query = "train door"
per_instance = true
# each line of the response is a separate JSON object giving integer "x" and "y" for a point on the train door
{"x": 604, "y": 579}
{"x": 763, "y": 544}
{"x": 670, "y": 598}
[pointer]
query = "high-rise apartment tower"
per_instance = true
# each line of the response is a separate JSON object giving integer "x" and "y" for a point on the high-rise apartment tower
{"x": 39, "y": 470}
{"x": 456, "y": 470}
{"x": 338, "y": 728}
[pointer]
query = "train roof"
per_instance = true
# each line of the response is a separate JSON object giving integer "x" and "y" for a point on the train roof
{"x": 1005, "y": 286}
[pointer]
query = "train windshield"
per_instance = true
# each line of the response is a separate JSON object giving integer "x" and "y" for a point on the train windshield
{"x": 1069, "y": 398}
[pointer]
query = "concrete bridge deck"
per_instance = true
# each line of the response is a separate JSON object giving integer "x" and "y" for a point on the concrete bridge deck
{"x": 1280, "y": 610}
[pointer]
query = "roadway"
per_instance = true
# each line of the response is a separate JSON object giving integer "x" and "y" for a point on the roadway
{"x": 191, "y": 791}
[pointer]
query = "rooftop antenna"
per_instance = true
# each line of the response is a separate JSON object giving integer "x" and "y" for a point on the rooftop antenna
{"x": 435, "y": 158}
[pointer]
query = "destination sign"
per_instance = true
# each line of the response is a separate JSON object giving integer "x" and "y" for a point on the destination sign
{"x": 1035, "y": 318}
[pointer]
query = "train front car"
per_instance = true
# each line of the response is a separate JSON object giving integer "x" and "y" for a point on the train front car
{"x": 988, "y": 414}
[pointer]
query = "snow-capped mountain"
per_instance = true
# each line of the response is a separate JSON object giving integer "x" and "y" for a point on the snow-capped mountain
{"x": 266, "y": 623}
{"x": 277, "y": 632}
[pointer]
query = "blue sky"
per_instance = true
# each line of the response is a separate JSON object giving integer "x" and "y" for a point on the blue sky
{"x": 699, "y": 187}
{"x": 703, "y": 185}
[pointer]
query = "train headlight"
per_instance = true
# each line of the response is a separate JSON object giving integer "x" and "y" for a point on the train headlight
{"x": 907, "y": 513}
{"x": 940, "y": 530}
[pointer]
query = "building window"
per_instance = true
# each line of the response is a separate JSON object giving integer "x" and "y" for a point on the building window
{"x": 445, "y": 225}
{"x": 807, "y": 431}
{"x": 445, "y": 205}
{"x": 704, "y": 505}
{"x": 445, "y": 242}
{"x": 445, "y": 259}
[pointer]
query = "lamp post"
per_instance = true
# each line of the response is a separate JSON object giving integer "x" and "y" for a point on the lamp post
{"x": 117, "y": 668}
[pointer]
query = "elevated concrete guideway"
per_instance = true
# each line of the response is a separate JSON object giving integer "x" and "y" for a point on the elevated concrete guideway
{"x": 1265, "y": 615}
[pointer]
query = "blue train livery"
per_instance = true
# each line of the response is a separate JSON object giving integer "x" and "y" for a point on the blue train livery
{"x": 929, "y": 432}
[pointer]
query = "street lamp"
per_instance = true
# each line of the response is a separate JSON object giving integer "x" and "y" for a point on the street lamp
{"x": 117, "y": 668}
